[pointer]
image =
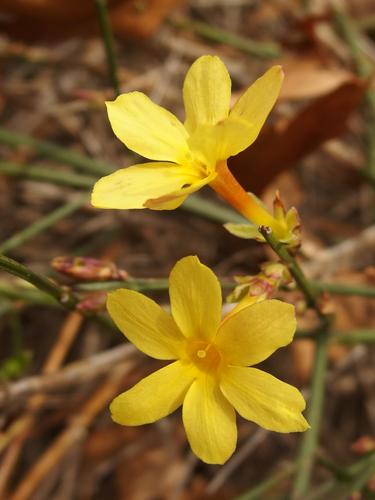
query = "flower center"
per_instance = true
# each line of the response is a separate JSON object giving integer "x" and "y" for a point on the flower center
{"x": 204, "y": 355}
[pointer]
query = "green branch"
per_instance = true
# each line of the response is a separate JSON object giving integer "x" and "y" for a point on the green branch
{"x": 41, "y": 224}
{"x": 314, "y": 415}
{"x": 46, "y": 174}
{"x": 308, "y": 289}
{"x": 60, "y": 294}
{"x": 364, "y": 69}
{"x": 344, "y": 289}
{"x": 306, "y": 453}
{"x": 258, "y": 491}
{"x": 50, "y": 150}
{"x": 106, "y": 30}
{"x": 266, "y": 50}
{"x": 194, "y": 204}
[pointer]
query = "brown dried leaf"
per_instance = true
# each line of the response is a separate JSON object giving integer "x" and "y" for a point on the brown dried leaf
{"x": 307, "y": 77}
{"x": 43, "y": 19}
{"x": 283, "y": 144}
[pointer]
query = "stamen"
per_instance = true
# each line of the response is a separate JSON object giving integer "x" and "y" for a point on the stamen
{"x": 201, "y": 353}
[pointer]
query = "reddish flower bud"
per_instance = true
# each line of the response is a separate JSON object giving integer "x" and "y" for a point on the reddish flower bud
{"x": 363, "y": 445}
{"x": 92, "y": 303}
{"x": 88, "y": 269}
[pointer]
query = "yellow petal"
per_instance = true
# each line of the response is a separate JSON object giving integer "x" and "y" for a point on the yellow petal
{"x": 173, "y": 200}
{"x": 154, "y": 397}
{"x": 264, "y": 399}
{"x": 255, "y": 332}
{"x": 146, "y": 128}
{"x": 195, "y": 295}
{"x": 132, "y": 187}
{"x": 145, "y": 324}
{"x": 209, "y": 421}
{"x": 219, "y": 139}
{"x": 256, "y": 103}
{"x": 206, "y": 92}
{"x": 214, "y": 143}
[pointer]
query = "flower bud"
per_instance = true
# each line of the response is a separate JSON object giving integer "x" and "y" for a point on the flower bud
{"x": 363, "y": 445}
{"x": 88, "y": 269}
{"x": 92, "y": 303}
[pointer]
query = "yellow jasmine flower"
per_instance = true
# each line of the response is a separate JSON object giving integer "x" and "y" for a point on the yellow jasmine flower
{"x": 209, "y": 374}
{"x": 190, "y": 155}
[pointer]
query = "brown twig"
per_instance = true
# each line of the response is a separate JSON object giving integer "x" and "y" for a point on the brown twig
{"x": 74, "y": 433}
{"x": 21, "y": 427}
{"x": 82, "y": 371}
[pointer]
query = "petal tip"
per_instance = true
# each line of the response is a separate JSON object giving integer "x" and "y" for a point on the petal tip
{"x": 278, "y": 70}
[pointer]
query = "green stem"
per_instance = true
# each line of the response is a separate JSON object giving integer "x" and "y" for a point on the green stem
{"x": 350, "y": 34}
{"x": 362, "y": 479}
{"x": 195, "y": 204}
{"x": 267, "y": 484}
{"x": 29, "y": 295}
{"x": 305, "y": 459}
{"x": 351, "y": 479}
{"x": 55, "y": 152}
{"x": 266, "y": 50}
{"x": 212, "y": 210}
{"x": 364, "y": 69}
{"x": 161, "y": 284}
{"x": 61, "y": 294}
{"x": 144, "y": 285}
{"x": 41, "y": 224}
{"x": 105, "y": 27}
{"x": 344, "y": 289}
{"x": 311, "y": 294}
{"x": 46, "y": 174}
{"x": 364, "y": 336}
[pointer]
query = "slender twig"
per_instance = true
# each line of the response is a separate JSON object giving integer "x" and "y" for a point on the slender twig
{"x": 258, "y": 491}
{"x": 314, "y": 411}
{"x": 223, "y": 474}
{"x": 50, "y": 150}
{"x": 311, "y": 294}
{"x": 75, "y": 432}
{"x": 211, "y": 210}
{"x": 160, "y": 284}
{"x": 105, "y": 27}
{"x": 142, "y": 284}
{"x": 62, "y": 294}
{"x": 46, "y": 174}
{"x": 349, "y": 481}
{"x": 364, "y": 69}
{"x": 314, "y": 414}
{"x": 344, "y": 289}
{"x": 350, "y": 337}
{"x": 85, "y": 371}
{"x": 28, "y": 294}
{"x": 21, "y": 428}
{"x": 206, "y": 208}
{"x": 266, "y": 50}
{"x": 361, "y": 480}
{"x": 41, "y": 224}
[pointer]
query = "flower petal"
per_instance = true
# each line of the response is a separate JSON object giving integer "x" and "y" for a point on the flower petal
{"x": 154, "y": 397}
{"x": 206, "y": 92}
{"x": 145, "y": 324}
{"x": 133, "y": 186}
{"x": 209, "y": 421}
{"x": 195, "y": 295}
{"x": 213, "y": 143}
{"x": 255, "y": 332}
{"x": 173, "y": 200}
{"x": 146, "y": 128}
{"x": 256, "y": 103}
{"x": 264, "y": 399}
